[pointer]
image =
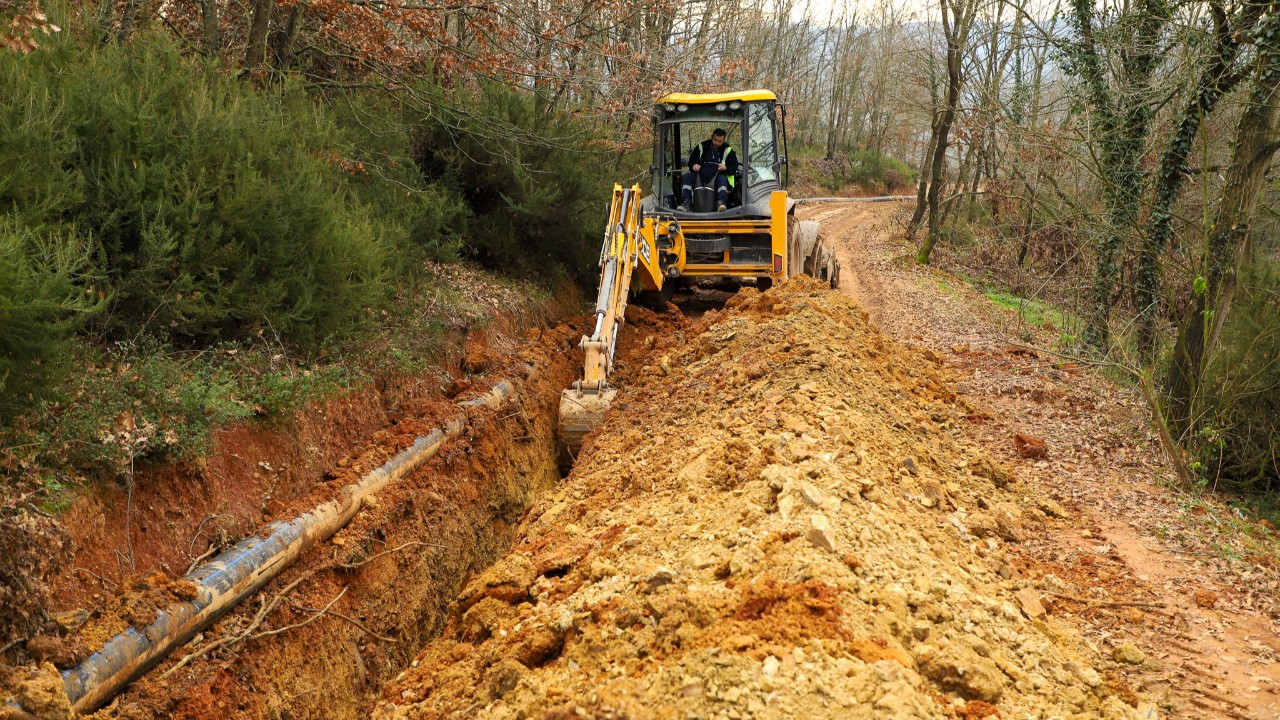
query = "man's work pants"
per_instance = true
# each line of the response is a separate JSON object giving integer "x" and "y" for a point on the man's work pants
{"x": 719, "y": 182}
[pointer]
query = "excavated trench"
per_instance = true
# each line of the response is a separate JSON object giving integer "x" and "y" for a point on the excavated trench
{"x": 781, "y": 517}
{"x": 322, "y": 638}
{"x": 371, "y": 596}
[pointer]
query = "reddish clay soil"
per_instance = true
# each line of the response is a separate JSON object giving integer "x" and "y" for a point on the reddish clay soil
{"x": 265, "y": 471}
{"x": 376, "y": 591}
{"x": 392, "y": 565}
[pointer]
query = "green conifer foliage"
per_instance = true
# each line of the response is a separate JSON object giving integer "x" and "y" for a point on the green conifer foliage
{"x": 46, "y": 289}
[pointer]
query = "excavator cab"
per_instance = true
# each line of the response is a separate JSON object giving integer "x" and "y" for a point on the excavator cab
{"x": 651, "y": 244}
{"x": 676, "y": 140}
{"x": 756, "y": 235}
{"x": 753, "y": 122}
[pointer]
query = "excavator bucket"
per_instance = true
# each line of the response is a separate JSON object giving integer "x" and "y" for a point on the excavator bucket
{"x": 580, "y": 413}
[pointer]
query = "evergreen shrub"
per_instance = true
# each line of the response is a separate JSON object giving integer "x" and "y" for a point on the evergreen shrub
{"x": 144, "y": 193}
{"x": 45, "y": 292}
{"x": 536, "y": 190}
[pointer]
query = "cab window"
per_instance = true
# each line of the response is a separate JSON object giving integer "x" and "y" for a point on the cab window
{"x": 762, "y": 149}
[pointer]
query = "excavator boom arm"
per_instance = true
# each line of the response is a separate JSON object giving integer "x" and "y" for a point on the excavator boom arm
{"x": 583, "y": 405}
{"x": 617, "y": 261}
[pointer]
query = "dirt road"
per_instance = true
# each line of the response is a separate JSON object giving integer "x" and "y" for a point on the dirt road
{"x": 1186, "y": 581}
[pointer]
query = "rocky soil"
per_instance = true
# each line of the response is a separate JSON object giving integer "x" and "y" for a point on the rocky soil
{"x": 893, "y": 501}
{"x": 782, "y": 518}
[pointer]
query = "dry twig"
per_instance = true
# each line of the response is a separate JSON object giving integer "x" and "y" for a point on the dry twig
{"x": 371, "y": 558}
{"x": 1093, "y": 604}
{"x": 264, "y": 610}
{"x": 323, "y": 611}
{"x": 103, "y": 580}
{"x": 207, "y": 553}
{"x": 351, "y": 620}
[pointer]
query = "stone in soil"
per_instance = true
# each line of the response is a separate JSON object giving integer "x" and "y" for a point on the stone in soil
{"x": 1030, "y": 446}
{"x": 1128, "y": 653}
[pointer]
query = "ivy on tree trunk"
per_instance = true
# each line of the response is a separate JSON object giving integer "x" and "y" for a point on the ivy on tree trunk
{"x": 1123, "y": 120}
{"x": 1257, "y": 139}
{"x": 1216, "y": 79}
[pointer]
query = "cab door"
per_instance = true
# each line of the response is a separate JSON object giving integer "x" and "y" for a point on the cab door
{"x": 761, "y": 176}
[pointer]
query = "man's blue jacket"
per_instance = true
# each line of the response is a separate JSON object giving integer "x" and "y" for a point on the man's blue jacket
{"x": 710, "y": 158}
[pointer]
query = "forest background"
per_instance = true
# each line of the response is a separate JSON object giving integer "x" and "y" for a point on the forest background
{"x": 216, "y": 210}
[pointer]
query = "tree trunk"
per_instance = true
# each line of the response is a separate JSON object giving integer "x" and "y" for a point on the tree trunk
{"x": 1216, "y": 79}
{"x": 256, "y": 52}
{"x": 1228, "y": 241}
{"x": 287, "y": 41}
{"x": 922, "y": 190}
{"x": 1026, "y": 225}
{"x": 926, "y": 164}
{"x": 212, "y": 35}
{"x": 937, "y": 178}
{"x": 956, "y": 29}
{"x": 128, "y": 17}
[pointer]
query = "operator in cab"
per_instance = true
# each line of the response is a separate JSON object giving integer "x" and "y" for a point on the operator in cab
{"x": 711, "y": 163}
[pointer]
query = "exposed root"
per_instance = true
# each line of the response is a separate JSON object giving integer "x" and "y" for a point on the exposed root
{"x": 265, "y": 608}
{"x": 398, "y": 548}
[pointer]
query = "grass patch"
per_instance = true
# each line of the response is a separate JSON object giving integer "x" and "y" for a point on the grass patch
{"x": 1032, "y": 311}
{"x": 1033, "y": 315}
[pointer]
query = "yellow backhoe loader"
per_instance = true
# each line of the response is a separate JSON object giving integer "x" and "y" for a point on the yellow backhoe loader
{"x": 667, "y": 237}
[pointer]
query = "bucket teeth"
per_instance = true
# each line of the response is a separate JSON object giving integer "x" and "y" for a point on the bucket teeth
{"x": 580, "y": 413}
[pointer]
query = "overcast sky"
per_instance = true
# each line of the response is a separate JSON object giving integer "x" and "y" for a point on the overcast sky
{"x": 822, "y": 9}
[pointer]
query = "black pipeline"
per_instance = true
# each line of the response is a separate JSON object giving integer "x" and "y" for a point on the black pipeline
{"x": 233, "y": 575}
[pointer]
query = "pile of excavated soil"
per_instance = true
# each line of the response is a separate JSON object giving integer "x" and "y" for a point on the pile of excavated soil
{"x": 780, "y": 519}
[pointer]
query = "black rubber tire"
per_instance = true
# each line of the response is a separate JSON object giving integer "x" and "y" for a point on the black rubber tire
{"x": 764, "y": 283}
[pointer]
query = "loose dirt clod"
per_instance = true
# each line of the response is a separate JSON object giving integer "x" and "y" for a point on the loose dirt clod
{"x": 694, "y": 573}
{"x": 61, "y": 652}
{"x": 1129, "y": 653}
{"x": 1030, "y": 446}
{"x": 135, "y": 604}
{"x": 38, "y": 690}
